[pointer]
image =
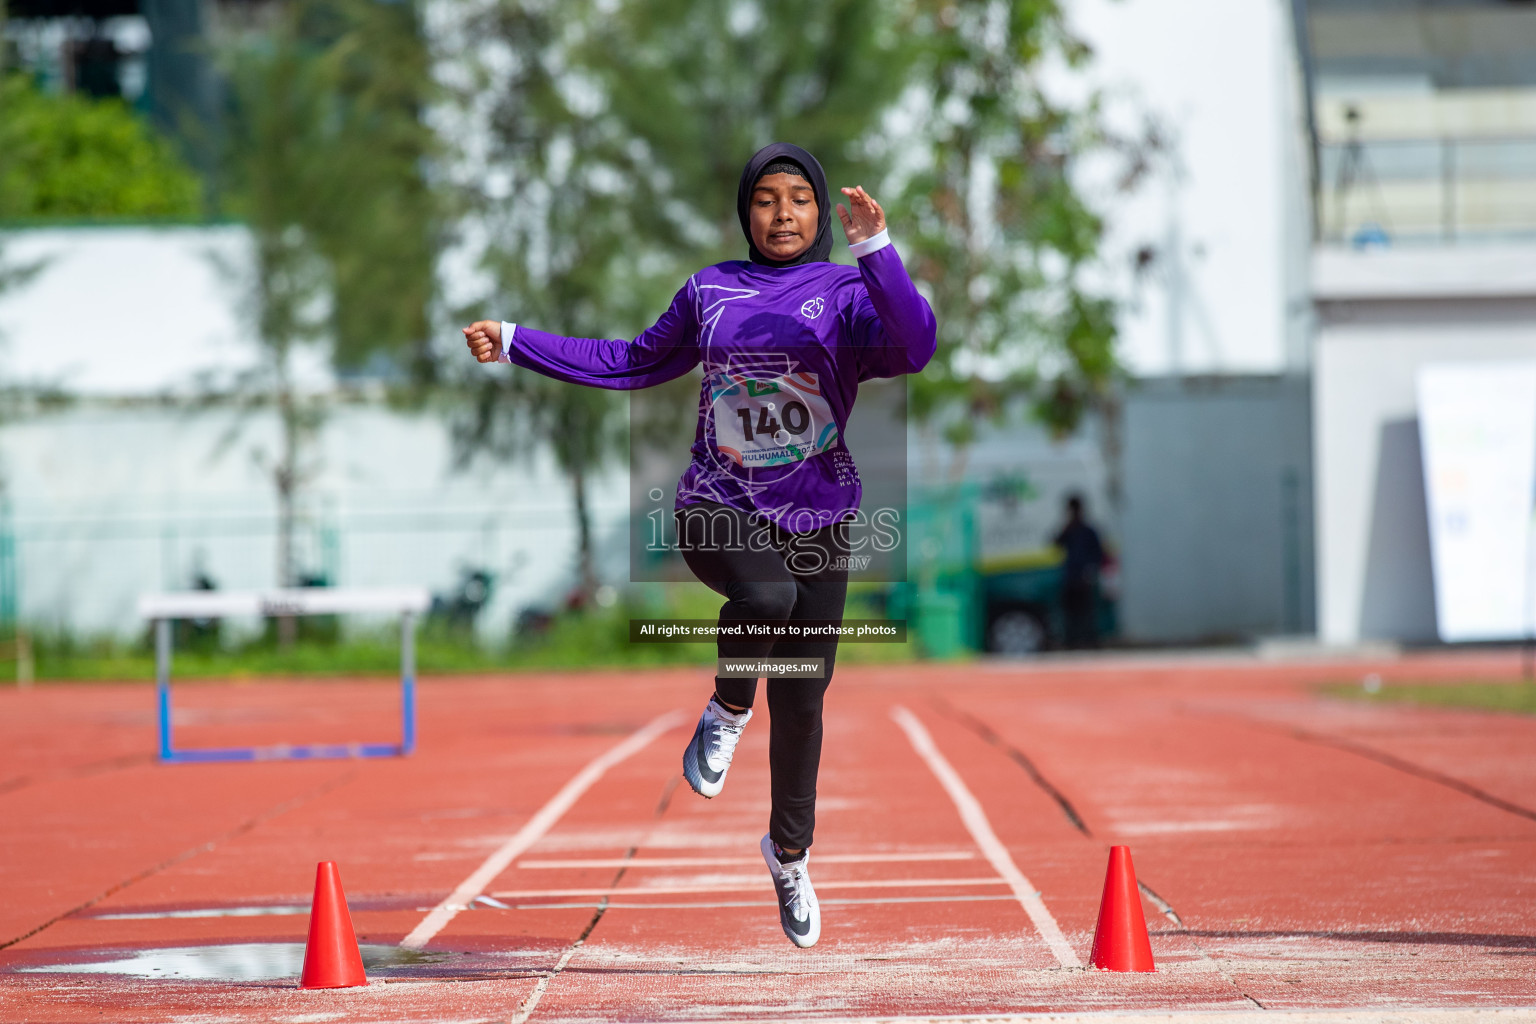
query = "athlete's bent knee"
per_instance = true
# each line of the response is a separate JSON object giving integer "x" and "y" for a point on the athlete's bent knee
{"x": 771, "y": 601}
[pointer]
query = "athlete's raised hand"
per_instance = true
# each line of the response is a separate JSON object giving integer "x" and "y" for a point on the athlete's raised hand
{"x": 484, "y": 340}
{"x": 866, "y": 220}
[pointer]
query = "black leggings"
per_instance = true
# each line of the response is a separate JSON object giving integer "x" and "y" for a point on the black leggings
{"x": 770, "y": 575}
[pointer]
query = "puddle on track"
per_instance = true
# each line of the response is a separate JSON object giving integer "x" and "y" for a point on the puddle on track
{"x": 249, "y": 961}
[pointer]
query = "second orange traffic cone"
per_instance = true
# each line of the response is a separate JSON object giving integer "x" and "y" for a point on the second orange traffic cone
{"x": 331, "y": 956}
{"x": 1120, "y": 941}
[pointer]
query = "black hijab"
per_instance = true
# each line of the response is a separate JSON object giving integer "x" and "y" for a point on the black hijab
{"x": 820, "y": 250}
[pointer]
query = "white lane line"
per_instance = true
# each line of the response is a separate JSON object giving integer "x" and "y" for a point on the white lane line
{"x": 712, "y": 862}
{"x": 534, "y": 830}
{"x": 1436, "y": 1015}
{"x": 531, "y": 1003}
{"x": 714, "y": 904}
{"x": 981, "y": 830}
{"x": 764, "y": 883}
{"x": 158, "y": 915}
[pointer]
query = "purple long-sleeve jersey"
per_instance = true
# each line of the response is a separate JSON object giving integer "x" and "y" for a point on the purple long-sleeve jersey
{"x": 783, "y": 351}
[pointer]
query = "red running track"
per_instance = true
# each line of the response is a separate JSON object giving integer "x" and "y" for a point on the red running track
{"x": 1301, "y": 853}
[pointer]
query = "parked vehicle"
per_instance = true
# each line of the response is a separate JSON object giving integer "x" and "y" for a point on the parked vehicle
{"x": 983, "y": 573}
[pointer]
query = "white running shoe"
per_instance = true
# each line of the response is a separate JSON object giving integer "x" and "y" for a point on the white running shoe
{"x": 709, "y": 753}
{"x": 799, "y": 912}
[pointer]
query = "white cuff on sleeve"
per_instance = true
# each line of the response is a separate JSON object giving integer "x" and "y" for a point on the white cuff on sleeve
{"x": 872, "y": 244}
{"x": 506, "y": 342}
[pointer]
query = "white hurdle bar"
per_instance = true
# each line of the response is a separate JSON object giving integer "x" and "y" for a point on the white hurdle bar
{"x": 407, "y": 602}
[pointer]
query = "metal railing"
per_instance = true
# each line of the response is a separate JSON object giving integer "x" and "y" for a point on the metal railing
{"x": 1427, "y": 191}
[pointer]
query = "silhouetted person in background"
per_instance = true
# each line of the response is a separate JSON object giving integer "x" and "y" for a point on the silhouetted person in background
{"x": 1082, "y": 558}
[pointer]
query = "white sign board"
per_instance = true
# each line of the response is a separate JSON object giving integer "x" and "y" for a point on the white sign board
{"x": 1477, "y": 424}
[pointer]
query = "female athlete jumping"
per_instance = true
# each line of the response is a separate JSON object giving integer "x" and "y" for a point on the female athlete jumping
{"x": 784, "y": 338}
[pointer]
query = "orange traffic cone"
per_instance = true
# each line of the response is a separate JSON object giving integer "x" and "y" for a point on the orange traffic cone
{"x": 331, "y": 957}
{"x": 1120, "y": 941}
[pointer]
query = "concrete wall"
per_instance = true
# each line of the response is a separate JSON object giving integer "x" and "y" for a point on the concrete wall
{"x": 110, "y": 502}
{"x": 1381, "y": 316}
{"x": 1217, "y": 515}
{"x": 112, "y": 496}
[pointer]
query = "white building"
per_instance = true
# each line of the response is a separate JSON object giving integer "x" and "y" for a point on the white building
{"x": 1424, "y": 116}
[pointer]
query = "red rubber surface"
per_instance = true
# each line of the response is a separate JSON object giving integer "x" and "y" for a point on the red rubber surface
{"x": 1317, "y": 853}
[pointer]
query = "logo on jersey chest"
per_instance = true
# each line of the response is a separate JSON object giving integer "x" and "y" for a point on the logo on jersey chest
{"x": 813, "y": 307}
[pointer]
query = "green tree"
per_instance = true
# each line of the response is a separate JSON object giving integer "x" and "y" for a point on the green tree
{"x": 700, "y": 92}
{"x": 618, "y": 130}
{"x": 993, "y": 222}
{"x": 616, "y": 141}
{"x": 278, "y": 99}
{"x": 326, "y": 161}
{"x": 71, "y": 156}
{"x": 563, "y": 255}
{"x": 375, "y": 214}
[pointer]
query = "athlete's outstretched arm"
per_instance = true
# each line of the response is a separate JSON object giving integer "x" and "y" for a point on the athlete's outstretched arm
{"x": 894, "y": 331}
{"x": 665, "y": 351}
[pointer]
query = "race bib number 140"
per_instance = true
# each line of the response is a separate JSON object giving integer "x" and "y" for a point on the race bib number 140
{"x": 770, "y": 420}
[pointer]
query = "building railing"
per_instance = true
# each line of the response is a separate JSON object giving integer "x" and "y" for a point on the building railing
{"x": 1427, "y": 191}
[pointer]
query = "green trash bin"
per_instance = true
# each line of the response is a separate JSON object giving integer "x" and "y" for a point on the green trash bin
{"x": 940, "y": 623}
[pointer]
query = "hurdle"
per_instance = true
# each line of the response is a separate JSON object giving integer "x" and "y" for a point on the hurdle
{"x": 164, "y": 609}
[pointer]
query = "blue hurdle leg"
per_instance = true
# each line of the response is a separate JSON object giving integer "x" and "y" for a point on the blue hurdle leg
{"x": 163, "y": 684}
{"x": 407, "y": 683}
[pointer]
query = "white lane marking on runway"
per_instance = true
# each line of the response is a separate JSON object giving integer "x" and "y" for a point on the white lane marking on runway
{"x": 159, "y": 915}
{"x": 716, "y": 904}
{"x": 531, "y": 1003}
{"x": 1436, "y": 1015}
{"x": 981, "y": 830}
{"x": 534, "y": 830}
{"x": 712, "y": 862}
{"x": 765, "y": 883}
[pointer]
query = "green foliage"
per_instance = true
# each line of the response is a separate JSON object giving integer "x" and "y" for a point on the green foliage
{"x": 72, "y": 156}
{"x": 595, "y": 638}
{"x": 1502, "y": 695}
{"x": 617, "y": 136}
{"x": 327, "y": 155}
{"x": 278, "y": 103}
{"x": 992, "y": 221}
{"x": 623, "y": 127}
{"x": 698, "y": 91}
{"x": 60, "y": 657}
{"x": 379, "y": 216}
{"x": 617, "y": 131}
{"x": 275, "y": 175}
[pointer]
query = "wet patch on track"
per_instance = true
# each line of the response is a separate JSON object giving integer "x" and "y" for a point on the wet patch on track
{"x": 231, "y": 962}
